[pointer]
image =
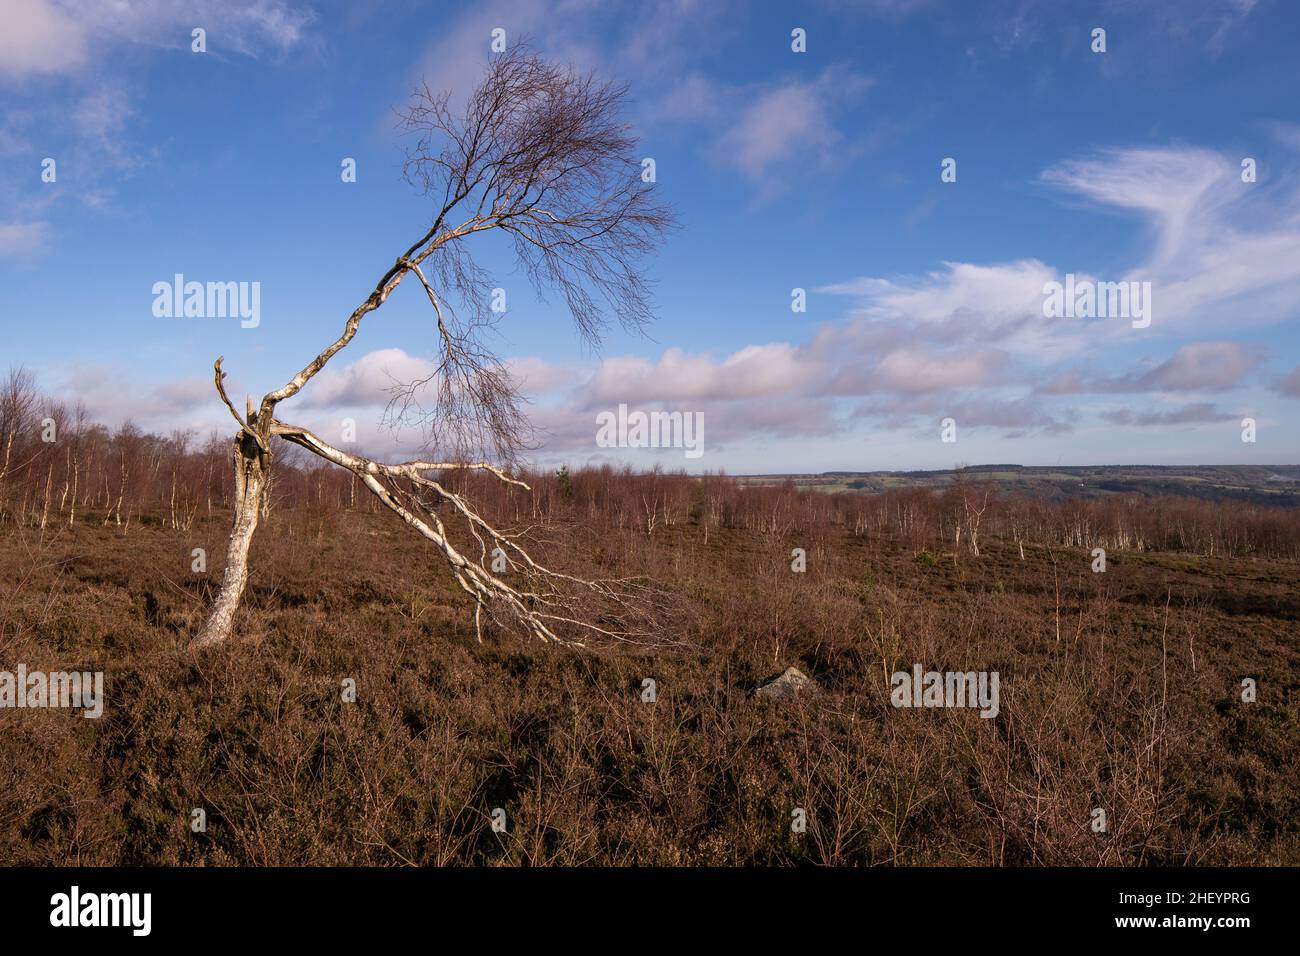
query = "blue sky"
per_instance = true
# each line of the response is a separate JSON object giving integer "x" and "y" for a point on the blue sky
{"x": 817, "y": 170}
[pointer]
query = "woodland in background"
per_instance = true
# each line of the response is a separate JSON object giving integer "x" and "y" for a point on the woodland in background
{"x": 124, "y": 476}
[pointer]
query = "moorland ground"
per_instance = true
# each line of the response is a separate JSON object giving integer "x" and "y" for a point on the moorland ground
{"x": 1120, "y": 690}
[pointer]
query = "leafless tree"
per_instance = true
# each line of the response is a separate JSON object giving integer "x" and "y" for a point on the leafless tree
{"x": 537, "y": 155}
{"x": 18, "y": 401}
{"x": 975, "y": 515}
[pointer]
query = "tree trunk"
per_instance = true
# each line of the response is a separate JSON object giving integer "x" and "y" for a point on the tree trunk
{"x": 251, "y": 467}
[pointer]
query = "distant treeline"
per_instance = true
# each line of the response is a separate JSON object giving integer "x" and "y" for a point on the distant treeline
{"x": 59, "y": 468}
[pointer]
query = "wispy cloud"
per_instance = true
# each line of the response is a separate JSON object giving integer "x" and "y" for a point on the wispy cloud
{"x": 792, "y": 125}
{"x": 1200, "y": 366}
{"x": 51, "y": 37}
{"x": 1199, "y": 413}
{"x": 1289, "y": 384}
{"x": 20, "y": 240}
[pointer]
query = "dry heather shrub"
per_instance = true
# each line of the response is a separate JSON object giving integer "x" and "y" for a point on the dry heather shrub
{"x": 1119, "y": 691}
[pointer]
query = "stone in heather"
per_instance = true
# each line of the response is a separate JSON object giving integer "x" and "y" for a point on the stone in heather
{"x": 791, "y": 682}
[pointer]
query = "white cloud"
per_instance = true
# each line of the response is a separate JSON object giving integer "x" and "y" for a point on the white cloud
{"x": 791, "y": 127}
{"x": 52, "y": 37}
{"x": 967, "y": 304}
{"x": 534, "y": 376}
{"x": 780, "y": 125}
{"x": 1221, "y": 256}
{"x": 755, "y": 371}
{"x": 1289, "y": 384}
{"x": 113, "y": 395}
{"x": 247, "y": 27}
{"x": 1219, "y": 242}
{"x": 1176, "y": 189}
{"x": 39, "y": 38}
{"x": 22, "y": 239}
{"x": 367, "y": 382}
{"x": 1288, "y": 134}
{"x": 1204, "y": 365}
{"x": 1197, "y": 366}
{"x": 915, "y": 370}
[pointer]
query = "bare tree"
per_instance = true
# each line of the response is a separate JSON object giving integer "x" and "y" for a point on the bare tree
{"x": 539, "y": 156}
{"x": 974, "y": 515}
{"x": 18, "y": 401}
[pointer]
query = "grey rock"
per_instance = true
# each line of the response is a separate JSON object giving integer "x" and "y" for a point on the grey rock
{"x": 791, "y": 682}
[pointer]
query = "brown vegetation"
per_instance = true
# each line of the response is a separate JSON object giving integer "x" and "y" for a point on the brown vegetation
{"x": 1119, "y": 690}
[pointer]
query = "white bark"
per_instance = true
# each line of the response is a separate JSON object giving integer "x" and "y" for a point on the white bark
{"x": 250, "y": 489}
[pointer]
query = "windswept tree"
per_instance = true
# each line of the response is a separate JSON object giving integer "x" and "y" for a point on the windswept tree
{"x": 537, "y": 155}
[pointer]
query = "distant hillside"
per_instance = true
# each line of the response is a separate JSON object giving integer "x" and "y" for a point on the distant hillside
{"x": 1265, "y": 484}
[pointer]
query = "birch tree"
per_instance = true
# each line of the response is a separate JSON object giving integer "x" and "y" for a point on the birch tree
{"x": 537, "y": 156}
